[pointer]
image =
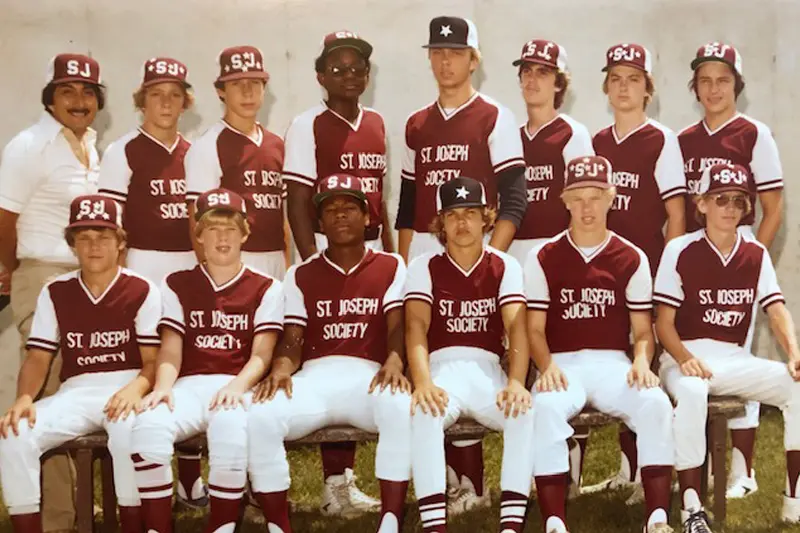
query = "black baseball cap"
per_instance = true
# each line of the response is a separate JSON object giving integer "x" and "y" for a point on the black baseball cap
{"x": 460, "y": 192}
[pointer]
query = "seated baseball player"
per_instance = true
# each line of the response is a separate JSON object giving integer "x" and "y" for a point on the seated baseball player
{"x": 102, "y": 319}
{"x": 460, "y": 305}
{"x": 221, "y": 321}
{"x": 588, "y": 290}
{"x": 344, "y": 324}
{"x": 707, "y": 289}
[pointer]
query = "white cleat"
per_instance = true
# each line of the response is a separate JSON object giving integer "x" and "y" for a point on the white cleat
{"x": 555, "y": 525}
{"x": 659, "y": 528}
{"x": 696, "y": 522}
{"x": 742, "y": 486}
{"x": 636, "y": 497}
{"x": 616, "y": 482}
{"x": 464, "y": 498}
{"x": 341, "y": 497}
{"x": 791, "y": 510}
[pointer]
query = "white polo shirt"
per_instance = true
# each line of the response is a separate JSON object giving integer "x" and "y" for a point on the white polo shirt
{"x": 39, "y": 177}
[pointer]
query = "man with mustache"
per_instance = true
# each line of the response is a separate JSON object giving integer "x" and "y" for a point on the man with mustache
{"x": 43, "y": 169}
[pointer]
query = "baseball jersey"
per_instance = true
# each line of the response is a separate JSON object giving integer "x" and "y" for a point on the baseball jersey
{"x": 588, "y": 297}
{"x": 225, "y": 157}
{"x": 218, "y": 322}
{"x": 466, "y": 306}
{"x": 648, "y": 171}
{"x": 344, "y": 313}
{"x": 99, "y": 334}
{"x": 478, "y": 140}
{"x": 320, "y": 142}
{"x": 740, "y": 141}
{"x": 715, "y": 296}
{"x": 148, "y": 178}
{"x": 547, "y": 152}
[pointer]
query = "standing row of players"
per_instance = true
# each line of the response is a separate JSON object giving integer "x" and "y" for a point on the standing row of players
{"x": 463, "y": 132}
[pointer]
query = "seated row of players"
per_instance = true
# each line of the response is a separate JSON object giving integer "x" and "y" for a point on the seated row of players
{"x": 587, "y": 291}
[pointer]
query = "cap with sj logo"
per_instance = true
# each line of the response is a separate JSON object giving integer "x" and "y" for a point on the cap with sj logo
{"x": 219, "y": 199}
{"x": 724, "y": 177}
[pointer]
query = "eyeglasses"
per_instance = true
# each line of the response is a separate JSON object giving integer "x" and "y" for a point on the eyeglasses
{"x": 339, "y": 71}
{"x": 739, "y": 201}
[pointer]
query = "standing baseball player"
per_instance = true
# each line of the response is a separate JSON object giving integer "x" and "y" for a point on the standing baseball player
{"x": 727, "y": 136}
{"x": 549, "y": 140}
{"x": 589, "y": 290}
{"x": 221, "y": 322}
{"x": 43, "y": 169}
{"x": 461, "y": 304}
{"x": 648, "y": 176}
{"x": 102, "y": 318}
{"x": 338, "y": 136}
{"x": 144, "y": 171}
{"x": 240, "y": 155}
{"x": 344, "y": 324}
{"x": 708, "y": 287}
{"x": 463, "y": 133}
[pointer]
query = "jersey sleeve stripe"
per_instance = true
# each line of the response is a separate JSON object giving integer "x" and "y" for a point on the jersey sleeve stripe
{"x": 639, "y": 306}
{"x": 542, "y": 305}
{"x": 666, "y": 299}
{"x": 770, "y": 299}
{"x": 192, "y": 195}
{"x": 770, "y": 185}
{"x": 675, "y": 191}
{"x": 174, "y": 325}
{"x": 42, "y": 344}
{"x": 298, "y": 178}
{"x": 407, "y": 175}
{"x": 268, "y": 326}
{"x": 512, "y": 299}
{"x": 115, "y": 195}
{"x": 508, "y": 163}
{"x": 388, "y": 306}
{"x": 295, "y": 320}
{"x": 148, "y": 340}
{"x": 419, "y": 296}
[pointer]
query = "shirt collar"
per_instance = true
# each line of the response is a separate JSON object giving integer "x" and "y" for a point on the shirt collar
{"x": 50, "y": 127}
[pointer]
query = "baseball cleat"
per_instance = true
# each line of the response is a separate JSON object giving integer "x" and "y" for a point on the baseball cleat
{"x": 196, "y": 501}
{"x": 616, "y": 482}
{"x": 791, "y": 510}
{"x": 636, "y": 497}
{"x": 742, "y": 486}
{"x": 659, "y": 528}
{"x": 697, "y": 522}
{"x": 555, "y": 525}
{"x": 464, "y": 498}
{"x": 341, "y": 497}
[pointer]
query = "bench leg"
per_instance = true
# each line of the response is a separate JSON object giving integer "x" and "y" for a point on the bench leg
{"x": 110, "y": 524}
{"x": 84, "y": 505}
{"x": 719, "y": 430}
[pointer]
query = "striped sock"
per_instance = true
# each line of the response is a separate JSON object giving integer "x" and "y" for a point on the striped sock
{"x": 225, "y": 490}
{"x": 433, "y": 513}
{"x": 513, "y": 507}
{"x": 155, "y": 488}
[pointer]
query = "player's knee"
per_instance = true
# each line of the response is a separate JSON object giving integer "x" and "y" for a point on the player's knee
{"x": 692, "y": 390}
{"x": 655, "y": 402}
{"x": 120, "y": 437}
{"x": 393, "y": 409}
{"x": 268, "y": 419}
{"x": 423, "y": 424}
{"x": 152, "y": 436}
{"x": 15, "y": 445}
{"x": 549, "y": 404}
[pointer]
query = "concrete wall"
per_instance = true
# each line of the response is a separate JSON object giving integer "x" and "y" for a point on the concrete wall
{"x": 121, "y": 35}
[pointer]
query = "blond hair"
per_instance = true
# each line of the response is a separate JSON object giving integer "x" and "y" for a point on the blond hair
{"x": 69, "y": 234}
{"x": 223, "y": 217}
{"x": 700, "y": 218}
{"x": 141, "y": 92}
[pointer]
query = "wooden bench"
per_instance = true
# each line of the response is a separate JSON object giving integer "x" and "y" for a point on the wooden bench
{"x": 86, "y": 449}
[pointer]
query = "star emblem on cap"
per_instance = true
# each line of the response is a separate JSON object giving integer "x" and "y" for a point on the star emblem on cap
{"x": 227, "y": 68}
{"x": 150, "y": 68}
{"x": 445, "y": 31}
{"x": 638, "y": 53}
{"x": 106, "y": 216}
{"x": 585, "y": 159}
{"x": 462, "y": 193}
{"x": 258, "y": 65}
{"x": 182, "y": 70}
{"x": 244, "y": 68}
{"x": 601, "y": 167}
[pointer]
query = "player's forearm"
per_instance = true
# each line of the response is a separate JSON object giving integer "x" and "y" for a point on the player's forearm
{"x": 540, "y": 351}
{"x": 417, "y": 352}
{"x": 676, "y": 225}
{"x": 770, "y": 222}
{"x": 253, "y": 371}
{"x": 782, "y": 325}
{"x": 404, "y": 237}
{"x": 167, "y": 371}
{"x": 302, "y": 226}
{"x": 8, "y": 247}
{"x": 33, "y": 374}
{"x": 670, "y": 340}
{"x": 514, "y": 318}
{"x": 502, "y": 235}
{"x": 386, "y": 235}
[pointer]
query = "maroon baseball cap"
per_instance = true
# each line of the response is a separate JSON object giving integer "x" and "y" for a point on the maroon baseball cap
{"x": 543, "y": 52}
{"x": 344, "y": 39}
{"x": 66, "y": 68}
{"x": 222, "y": 199}
{"x": 339, "y": 184}
{"x": 630, "y": 55}
{"x": 724, "y": 177}
{"x": 588, "y": 171}
{"x": 716, "y": 51}
{"x": 94, "y": 211}
{"x": 164, "y": 69}
{"x": 241, "y": 62}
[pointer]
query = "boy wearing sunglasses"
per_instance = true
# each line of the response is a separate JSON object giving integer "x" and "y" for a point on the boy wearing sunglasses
{"x": 707, "y": 288}
{"x": 338, "y": 136}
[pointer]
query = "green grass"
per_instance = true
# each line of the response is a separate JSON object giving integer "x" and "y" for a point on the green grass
{"x": 599, "y": 513}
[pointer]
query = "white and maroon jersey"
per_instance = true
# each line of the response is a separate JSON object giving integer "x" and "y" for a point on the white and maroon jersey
{"x": 148, "y": 178}
{"x": 320, "y": 142}
{"x": 218, "y": 322}
{"x": 225, "y": 157}
{"x": 716, "y": 296}
{"x": 100, "y": 334}
{"x": 740, "y": 141}
{"x": 648, "y": 171}
{"x": 478, "y": 140}
{"x": 344, "y": 313}
{"x": 466, "y": 307}
{"x": 547, "y": 152}
{"x": 588, "y": 294}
